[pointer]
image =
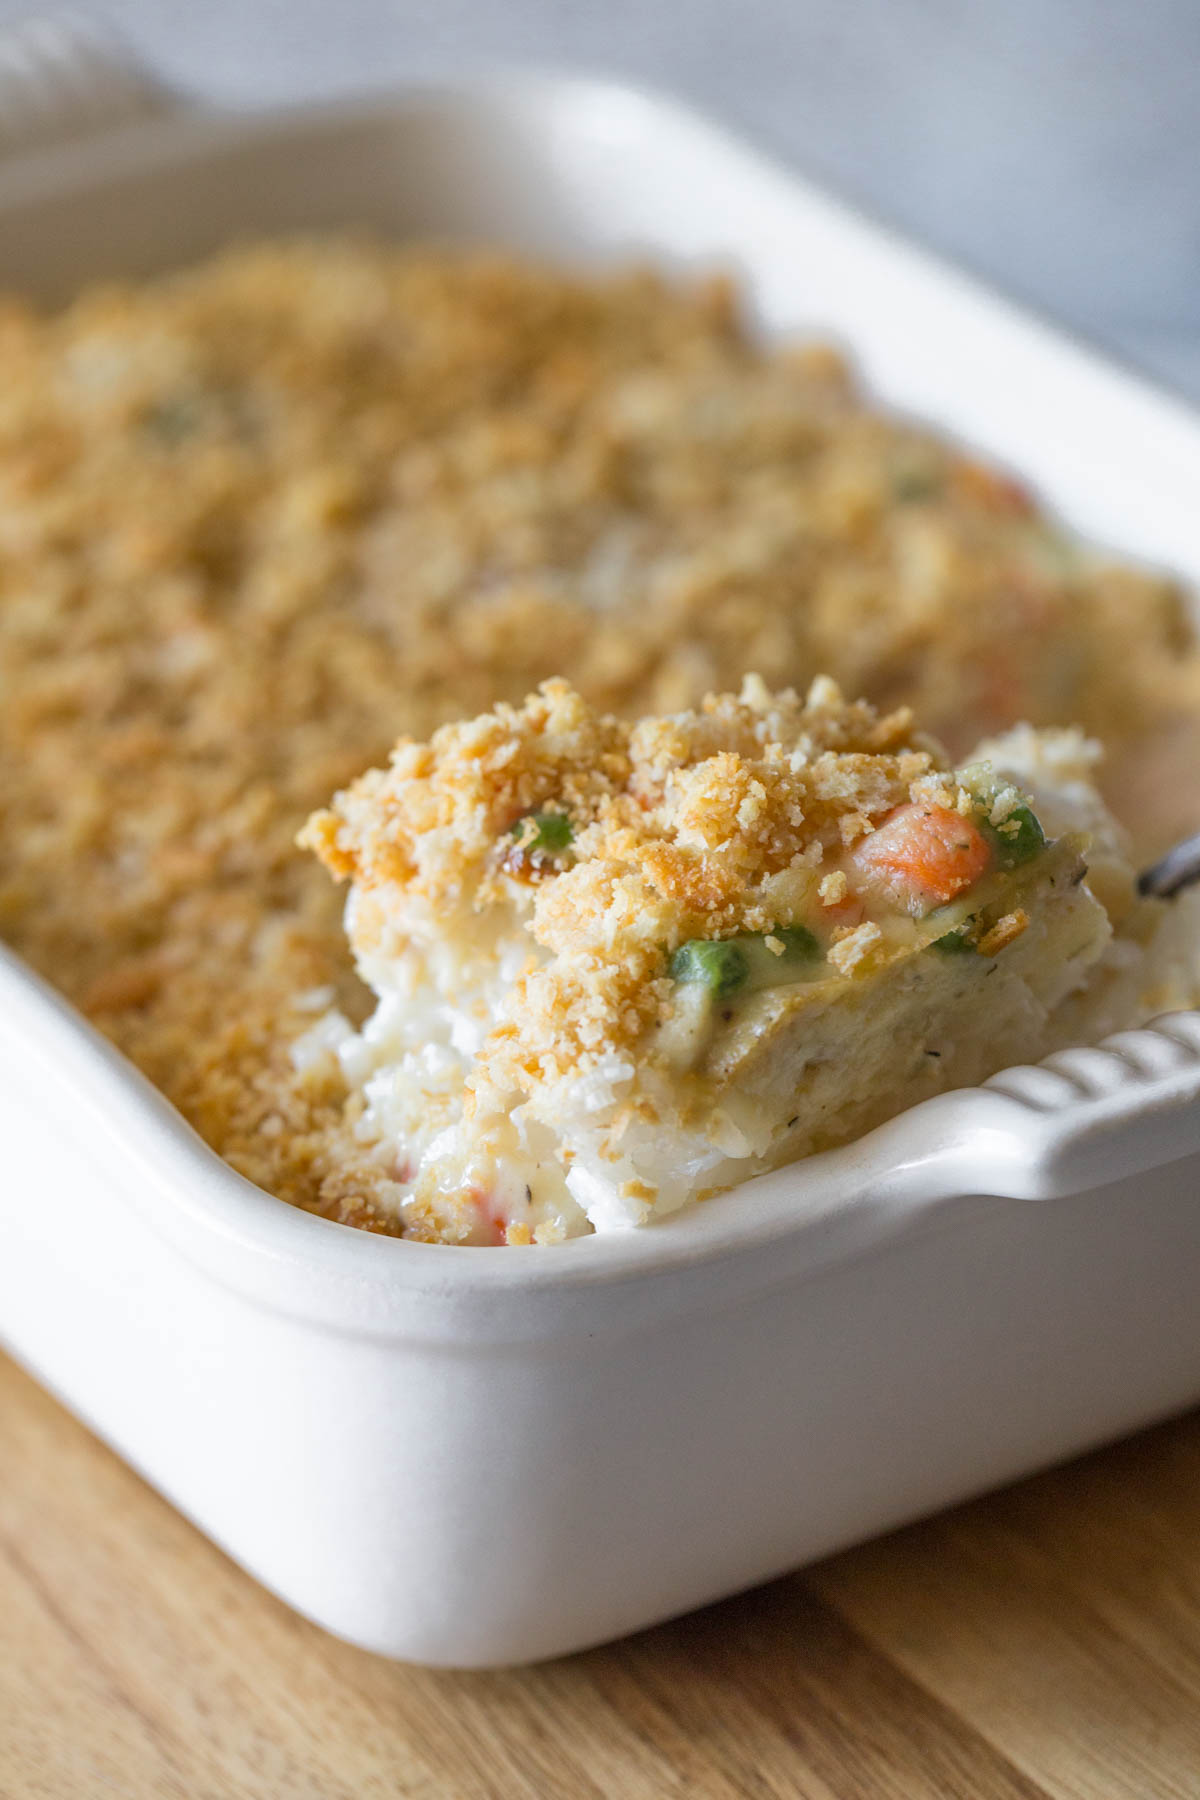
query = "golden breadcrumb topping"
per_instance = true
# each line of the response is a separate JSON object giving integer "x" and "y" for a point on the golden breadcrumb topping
{"x": 258, "y": 516}
{"x": 703, "y": 825}
{"x": 432, "y": 820}
{"x": 707, "y": 804}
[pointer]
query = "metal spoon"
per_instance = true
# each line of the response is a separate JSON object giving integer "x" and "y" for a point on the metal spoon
{"x": 1177, "y": 869}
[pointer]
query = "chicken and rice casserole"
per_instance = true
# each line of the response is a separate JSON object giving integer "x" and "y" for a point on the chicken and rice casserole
{"x": 262, "y": 517}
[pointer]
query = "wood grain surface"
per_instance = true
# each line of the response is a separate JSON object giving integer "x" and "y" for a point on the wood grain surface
{"x": 1042, "y": 1642}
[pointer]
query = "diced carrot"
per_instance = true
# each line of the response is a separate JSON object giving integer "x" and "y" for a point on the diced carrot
{"x": 492, "y": 1224}
{"x": 923, "y": 855}
{"x": 846, "y": 911}
{"x": 995, "y": 492}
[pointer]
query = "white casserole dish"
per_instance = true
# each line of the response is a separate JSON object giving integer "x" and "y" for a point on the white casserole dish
{"x": 487, "y": 1456}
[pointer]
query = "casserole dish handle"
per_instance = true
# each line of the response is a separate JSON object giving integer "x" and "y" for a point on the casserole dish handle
{"x": 1079, "y": 1120}
{"x": 63, "y": 77}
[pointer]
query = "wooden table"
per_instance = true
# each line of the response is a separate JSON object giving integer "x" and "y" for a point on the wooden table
{"x": 1044, "y": 1641}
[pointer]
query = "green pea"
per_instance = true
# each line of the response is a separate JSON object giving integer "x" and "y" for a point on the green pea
{"x": 1019, "y": 837}
{"x": 915, "y": 483}
{"x": 956, "y": 941}
{"x": 719, "y": 965}
{"x": 544, "y": 833}
{"x": 799, "y": 944}
{"x": 170, "y": 420}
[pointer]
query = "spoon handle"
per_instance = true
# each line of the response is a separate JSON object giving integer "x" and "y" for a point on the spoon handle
{"x": 1177, "y": 869}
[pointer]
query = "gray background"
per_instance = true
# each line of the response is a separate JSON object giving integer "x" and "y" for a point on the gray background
{"x": 1052, "y": 145}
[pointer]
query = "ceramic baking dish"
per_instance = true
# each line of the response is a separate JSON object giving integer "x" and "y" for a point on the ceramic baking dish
{"x": 482, "y": 1456}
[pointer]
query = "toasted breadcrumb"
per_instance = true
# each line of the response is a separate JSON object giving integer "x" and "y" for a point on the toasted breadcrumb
{"x": 707, "y": 802}
{"x": 705, "y": 824}
{"x": 832, "y": 887}
{"x": 1004, "y": 932}
{"x": 852, "y": 951}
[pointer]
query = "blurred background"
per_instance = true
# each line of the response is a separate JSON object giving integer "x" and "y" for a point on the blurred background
{"x": 1051, "y": 145}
